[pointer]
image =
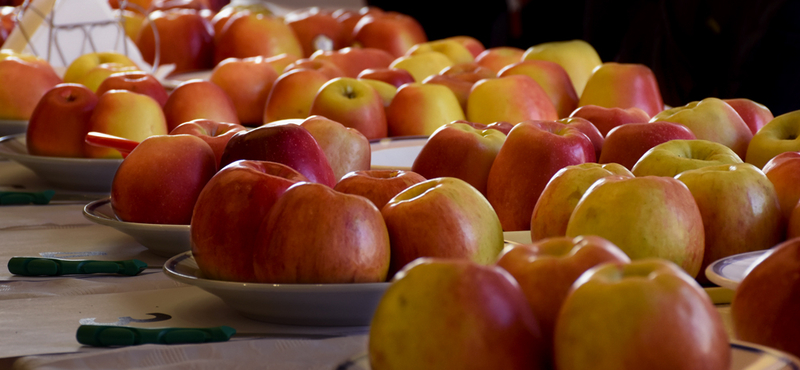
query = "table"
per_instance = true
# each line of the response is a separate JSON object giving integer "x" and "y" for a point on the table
{"x": 40, "y": 315}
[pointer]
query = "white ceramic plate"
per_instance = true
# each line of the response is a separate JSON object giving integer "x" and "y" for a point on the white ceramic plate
{"x": 163, "y": 240}
{"x": 728, "y": 272}
{"x": 396, "y": 153}
{"x": 12, "y": 126}
{"x": 289, "y": 304}
{"x": 173, "y": 81}
{"x": 80, "y": 174}
{"x": 744, "y": 356}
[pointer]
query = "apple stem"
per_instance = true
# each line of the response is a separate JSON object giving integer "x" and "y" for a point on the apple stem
{"x": 121, "y": 144}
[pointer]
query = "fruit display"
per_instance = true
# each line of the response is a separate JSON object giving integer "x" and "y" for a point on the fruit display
{"x": 269, "y": 161}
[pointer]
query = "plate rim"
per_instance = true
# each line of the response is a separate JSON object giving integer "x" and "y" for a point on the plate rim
{"x": 89, "y": 213}
{"x": 713, "y": 270}
{"x": 30, "y": 158}
{"x": 791, "y": 360}
{"x": 220, "y": 285}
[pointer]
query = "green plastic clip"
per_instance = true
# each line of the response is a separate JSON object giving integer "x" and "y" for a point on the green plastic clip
{"x": 35, "y": 266}
{"x": 18, "y": 197}
{"x": 106, "y": 336}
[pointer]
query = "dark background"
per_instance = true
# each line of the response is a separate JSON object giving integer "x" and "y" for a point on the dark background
{"x": 696, "y": 48}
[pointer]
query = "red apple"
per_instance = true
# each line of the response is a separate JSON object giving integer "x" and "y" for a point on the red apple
{"x": 605, "y": 119}
{"x": 442, "y": 217}
{"x": 25, "y": 81}
{"x": 660, "y": 215}
{"x": 248, "y": 34}
{"x": 60, "y": 121}
{"x": 135, "y": 81}
{"x": 793, "y": 225}
{"x": 532, "y": 153}
{"x": 626, "y": 143}
{"x": 167, "y": 172}
{"x": 498, "y": 57}
{"x": 623, "y": 85}
{"x": 199, "y": 99}
{"x": 783, "y": 171}
{"x": 390, "y": 31}
{"x": 642, "y": 315}
{"x": 292, "y": 94}
{"x": 552, "y": 77}
{"x": 238, "y": 198}
{"x": 764, "y": 307}
{"x": 740, "y": 210}
{"x": 247, "y": 82}
{"x": 352, "y": 103}
{"x": 215, "y": 134}
{"x": 462, "y": 316}
{"x": 353, "y": 60}
{"x": 588, "y": 129}
{"x": 546, "y": 270}
{"x": 316, "y": 235}
{"x": 460, "y": 150}
{"x": 316, "y": 29}
{"x": 514, "y": 98}
{"x": 755, "y": 115}
{"x": 326, "y": 67}
{"x": 346, "y": 148}
{"x": 379, "y": 186}
{"x": 185, "y": 39}
{"x": 561, "y": 194}
{"x": 285, "y": 143}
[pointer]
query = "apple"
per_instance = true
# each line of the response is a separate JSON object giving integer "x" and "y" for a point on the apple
{"x": 316, "y": 29}
{"x": 675, "y": 156}
{"x": 239, "y": 198}
{"x": 352, "y": 103}
{"x": 386, "y": 91}
{"x": 606, "y": 119}
{"x": 755, "y": 115}
{"x": 379, "y": 186}
{"x": 643, "y": 315}
{"x": 498, "y": 57}
{"x": 740, "y": 210}
{"x": 423, "y": 64}
{"x": 626, "y": 143}
{"x": 452, "y": 49}
{"x": 390, "y": 31}
{"x": 552, "y": 77}
{"x": 316, "y": 235}
{"x": 472, "y": 44}
{"x": 346, "y": 148}
{"x": 545, "y": 270}
{"x": 783, "y": 171}
{"x": 326, "y": 67}
{"x": 349, "y": 19}
{"x": 588, "y": 129}
{"x": 443, "y": 217}
{"x": 532, "y": 153}
{"x": 128, "y": 115}
{"x": 460, "y": 88}
{"x": 562, "y": 193}
{"x": 160, "y": 180}
{"x": 470, "y": 72}
{"x": 660, "y": 215}
{"x": 86, "y": 62}
{"x": 454, "y": 314}
{"x": 199, "y": 99}
{"x": 623, "y": 85}
{"x": 394, "y": 76}
{"x": 185, "y": 39}
{"x": 793, "y": 224}
{"x": 712, "y": 119}
{"x": 281, "y": 61}
{"x": 460, "y": 150}
{"x": 514, "y": 99}
{"x": 248, "y": 34}
{"x": 95, "y": 76}
{"x": 782, "y": 134}
{"x": 292, "y": 94}
{"x": 221, "y": 18}
{"x": 578, "y": 58}
{"x": 354, "y": 60}
{"x": 764, "y": 307}
{"x": 25, "y": 82}
{"x": 215, "y": 134}
{"x": 282, "y": 142}
{"x": 420, "y": 109}
{"x": 60, "y": 121}
{"x": 247, "y": 82}
{"x": 135, "y": 81}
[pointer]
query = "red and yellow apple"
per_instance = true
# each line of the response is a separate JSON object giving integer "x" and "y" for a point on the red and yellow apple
{"x": 626, "y": 143}
{"x": 578, "y": 58}
{"x": 675, "y": 156}
{"x": 606, "y": 119}
{"x": 782, "y": 134}
{"x": 215, "y": 134}
{"x": 199, "y": 99}
{"x": 135, "y": 81}
{"x": 60, "y": 121}
{"x": 185, "y": 39}
{"x": 623, "y": 85}
{"x": 352, "y": 103}
{"x": 552, "y": 77}
{"x": 292, "y": 94}
{"x": 247, "y": 82}
{"x": 379, "y": 186}
{"x": 420, "y": 109}
{"x": 346, "y": 148}
{"x": 513, "y": 98}
{"x": 128, "y": 115}
{"x": 783, "y": 171}
{"x": 25, "y": 81}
